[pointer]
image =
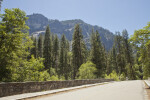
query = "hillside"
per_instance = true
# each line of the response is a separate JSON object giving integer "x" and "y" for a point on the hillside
{"x": 38, "y": 22}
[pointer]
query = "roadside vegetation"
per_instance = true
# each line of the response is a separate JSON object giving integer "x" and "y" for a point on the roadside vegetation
{"x": 43, "y": 58}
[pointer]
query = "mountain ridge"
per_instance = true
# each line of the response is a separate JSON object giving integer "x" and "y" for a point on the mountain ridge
{"x": 38, "y": 22}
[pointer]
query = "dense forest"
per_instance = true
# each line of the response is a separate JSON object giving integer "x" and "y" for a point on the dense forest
{"x": 28, "y": 58}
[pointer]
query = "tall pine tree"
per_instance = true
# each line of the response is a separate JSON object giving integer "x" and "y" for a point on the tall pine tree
{"x": 47, "y": 54}
{"x": 128, "y": 53}
{"x": 40, "y": 46}
{"x": 55, "y": 52}
{"x": 121, "y": 63}
{"x": 63, "y": 70}
{"x": 34, "y": 50}
{"x": 77, "y": 49}
{"x": 97, "y": 53}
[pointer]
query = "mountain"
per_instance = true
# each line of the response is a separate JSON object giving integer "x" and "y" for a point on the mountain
{"x": 37, "y": 24}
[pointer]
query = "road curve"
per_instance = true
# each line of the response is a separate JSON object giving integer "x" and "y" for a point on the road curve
{"x": 125, "y": 90}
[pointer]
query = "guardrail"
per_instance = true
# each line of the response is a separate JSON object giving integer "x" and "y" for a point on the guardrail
{"x": 13, "y": 88}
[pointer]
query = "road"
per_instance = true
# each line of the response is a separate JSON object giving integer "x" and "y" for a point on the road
{"x": 125, "y": 90}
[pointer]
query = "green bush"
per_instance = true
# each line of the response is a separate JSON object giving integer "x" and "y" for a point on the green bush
{"x": 44, "y": 76}
{"x": 31, "y": 71}
{"x": 112, "y": 75}
{"x": 54, "y": 78}
{"x": 87, "y": 71}
{"x": 122, "y": 77}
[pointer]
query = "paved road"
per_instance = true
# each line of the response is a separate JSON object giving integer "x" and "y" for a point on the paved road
{"x": 125, "y": 90}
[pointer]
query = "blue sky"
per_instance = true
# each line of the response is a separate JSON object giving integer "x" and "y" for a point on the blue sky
{"x": 114, "y": 15}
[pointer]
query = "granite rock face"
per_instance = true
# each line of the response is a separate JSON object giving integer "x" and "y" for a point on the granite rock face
{"x": 37, "y": 24}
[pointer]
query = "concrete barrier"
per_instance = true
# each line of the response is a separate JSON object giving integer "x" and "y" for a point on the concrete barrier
{"x": 13, "y": 88}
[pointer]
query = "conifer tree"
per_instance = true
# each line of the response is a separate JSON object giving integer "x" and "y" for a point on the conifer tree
{"x": 77, "y": 49}
{"x": 66, "y": 57}
{"x": 1, "y": 4}
{"x": 120, "y": 54}
{"x": 84, "y": 51}
{"x": 47, "y": 54}
{"x": 34, "y": 50}
{"x": 40, "y": 46}
{"x": 109, "y": 67}
{"x": 97, "y": 54}
{"x": 114, "y": 59}
{"x": 128, "y": 53}
{"x": 55, "y": 52}
{"x": 63, "y": 57}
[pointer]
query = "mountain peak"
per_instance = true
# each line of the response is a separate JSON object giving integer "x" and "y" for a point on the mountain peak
{"x": 73, "y": 21}
{"x": 38, "y": 22}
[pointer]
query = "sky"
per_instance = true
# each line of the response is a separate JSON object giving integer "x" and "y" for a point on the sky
{"x": 114, "y": 15}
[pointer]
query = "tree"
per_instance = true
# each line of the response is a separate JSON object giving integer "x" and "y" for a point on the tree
{"x": 128, "y": 53}
{"x": 34, "y": 49}
{"x": 40, "y": 46}
{"x": 120, "y": 57}
{"x": 84, "y": 51}
{"x": 87, "y": 71}
{"x": 31, "y": 71}
{"x": 77, "y": 49}
{"x": 14, "y": 42}
{"x": 97, "y": 53}
{"x": 109, "y": 67}
{"x": 1, "y": 4}
{"x": 55, "y": 52}
{"x": 47, "y": 54}
{"x": 70, "y": 65}
{"x": 141, "y": 42}
{"x": 62, "y": 62}
{"x": 113, "y": 59}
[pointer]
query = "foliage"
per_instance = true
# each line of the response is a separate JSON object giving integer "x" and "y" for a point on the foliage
{"x": 47, "y": 54}
{"x": 70, "y": 66}
{"x": 34, "y": 49}
{"x": 128, "y": 53}
{"x": 40, "y": 46}
{"x": 55, "y": 53}
{"x": 1, "y": 4}
{"x": 77, "y": 49}
{"x": 140, "y": 40}
{"x": 97, "y": 53}
{"x": 30, "y": 71}
{"x": 120, "y": 57}
{"x": 87, "y": 71}
{"x": 63, "y": 68}
{"x": 44, "y": 76}
{"x": 21, "y": 56}
{"x": 14, "y": 42}
{"x": 112, "y": 75}
{"x": 53, "y": 74}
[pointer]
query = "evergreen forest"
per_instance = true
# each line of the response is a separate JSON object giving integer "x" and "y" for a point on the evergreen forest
{"x": 28, "y": 58}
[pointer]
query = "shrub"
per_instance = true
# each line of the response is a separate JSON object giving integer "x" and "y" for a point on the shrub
{"x": 87, "y": 71}
{"x": 112, "y": 75}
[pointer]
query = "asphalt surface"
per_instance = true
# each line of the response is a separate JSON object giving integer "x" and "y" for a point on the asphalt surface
{"x": 125, "y": 90}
